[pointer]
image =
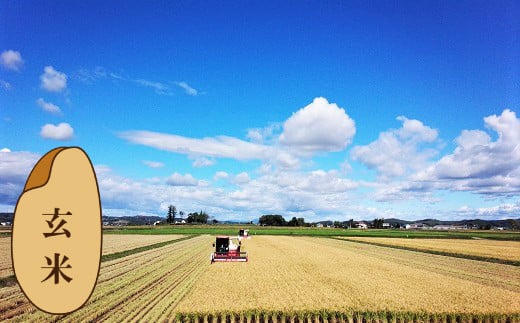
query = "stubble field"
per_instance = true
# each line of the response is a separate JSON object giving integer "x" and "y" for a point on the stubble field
{"x": 290, "y": 279}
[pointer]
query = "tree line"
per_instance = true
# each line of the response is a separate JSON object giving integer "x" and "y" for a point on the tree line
{"x": 194, "y": 217}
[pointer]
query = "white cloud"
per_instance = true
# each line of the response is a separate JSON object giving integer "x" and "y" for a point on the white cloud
{"x": 263, "y": 135}
{"x": 203, "y": 162}
{"x": 398, "y": 151}
{"x": 319, "y": 127}
{"x": 14, "y": 170}
{"x": 11, "y": 60}
{"x": 48, "y": 106}
{"x": 52, "y": 80}
{"x": 479, "y": 164}
{"x": 177, "y": 179}
{"x": 220, "y": 175}
{"x": 153, "y": 164}
{"x": 497, "y": 212}
{"x": 159, "y": 87}
{"x": 187, "y": 88}
{"x": 241, "y": 178}
{"x": 5, "y": 85}
{"x": 63, "y": 131}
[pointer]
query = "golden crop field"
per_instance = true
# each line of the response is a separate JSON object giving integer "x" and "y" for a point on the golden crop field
{"x": 304, "y": 273}
{"x": 112, "y": 243}
{"x": 506, "y": 250}
{"x": 290, "y": 279}
{"x": 6, "y": 268}
{"x": 145, "y": 286}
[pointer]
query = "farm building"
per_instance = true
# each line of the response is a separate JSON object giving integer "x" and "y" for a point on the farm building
{"x": 361, "y": 225}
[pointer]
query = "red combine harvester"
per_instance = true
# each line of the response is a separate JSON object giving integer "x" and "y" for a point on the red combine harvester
{"x": 227, "y": 250}
{"x": 243, "y": 234}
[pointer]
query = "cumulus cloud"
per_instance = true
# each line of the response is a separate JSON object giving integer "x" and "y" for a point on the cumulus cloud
{"x": 479, "y": 164}
{"x": 48, "y": 106}
{"x": 263, "y": 135}
{"x": 187, "y": 88}
{"x": 220, "y": 175}
{"x": 241, "y": 178}
{"x": 52, "y": 80}
{"x": 319, "y": 127}
{"x": 14, "y": 170}
{"x": 177, "y": 179}
{"x": 153, "y": 164}
{"x": 398, "y": 151}
{"x": 11, "y": 60}
{"x": 62, "y": 131}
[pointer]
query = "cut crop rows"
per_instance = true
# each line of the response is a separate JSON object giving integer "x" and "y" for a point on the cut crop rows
{"x": 129, "y": 288}
{"x": 507, "y": 252}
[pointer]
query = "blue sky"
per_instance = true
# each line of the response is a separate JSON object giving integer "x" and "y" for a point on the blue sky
{"x": 330, "y": 110}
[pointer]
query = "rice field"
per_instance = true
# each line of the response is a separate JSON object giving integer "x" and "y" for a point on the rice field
{"x": 290, "y": 279}
{"x": 493, "y": 249}
{"x": 6, "y": 268}
{"x": 145, "y": 286}
{"x": 112, "y": 243}
{"x": 309, "y": 274}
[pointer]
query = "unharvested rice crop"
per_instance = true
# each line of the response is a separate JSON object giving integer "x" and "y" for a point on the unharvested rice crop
{"x": 6, "y": 268}
{"x": 113, "y": 243}
{"x": 506, "y": 250}
{"x": 144, "y": 286}
{"x": 301, "y": 274}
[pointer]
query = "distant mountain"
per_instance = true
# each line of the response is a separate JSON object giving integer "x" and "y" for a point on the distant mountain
{"x": 131, "y": 220}
{"x": 144, "y": 220}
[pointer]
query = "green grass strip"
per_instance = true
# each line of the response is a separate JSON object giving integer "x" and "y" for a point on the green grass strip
{"x": 436, "y": 252}
{"x": 125, "y": 253}
{"x": 306, "y": 231}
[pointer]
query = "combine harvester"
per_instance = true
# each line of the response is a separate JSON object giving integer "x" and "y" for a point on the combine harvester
{"x": 228, "y": 249}
{"x": 243, "y": 234}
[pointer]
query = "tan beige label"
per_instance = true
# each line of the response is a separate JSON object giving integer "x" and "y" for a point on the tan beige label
{"x": 56, "y": 239}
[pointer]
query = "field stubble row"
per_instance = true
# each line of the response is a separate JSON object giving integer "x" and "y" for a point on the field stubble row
{"x": 491, "y": 249}
{"x": 144, "y": 286}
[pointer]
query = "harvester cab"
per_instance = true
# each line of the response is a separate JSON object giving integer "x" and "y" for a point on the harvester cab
{"x": 228, "y": 249}
{"x": 243, "y": 234}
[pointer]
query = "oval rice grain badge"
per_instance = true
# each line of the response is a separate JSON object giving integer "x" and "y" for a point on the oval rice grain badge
{"x": 57, "y": 237}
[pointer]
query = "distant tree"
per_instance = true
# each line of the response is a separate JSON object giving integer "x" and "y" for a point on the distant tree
{"x": 301, "y": 222}
{"x": 293, "y": 222}
{"x": 351, "y": 223}
{"x": 201, "y": 217}
{"x": 513, "y": 224}
{"x": 377, "y": 223}
{"x": 272, "y": 219}
{"x": 171, "y": 214}
{"x": 181, "y": 213}
{"x": 337, "y": 224}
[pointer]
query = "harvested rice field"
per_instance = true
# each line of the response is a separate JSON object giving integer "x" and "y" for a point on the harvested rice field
{"x": 290, "y": 279}
{"x": 6, "y": 268}
{"x": 112, "y": 243}
{"x": 495, "y": 249}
